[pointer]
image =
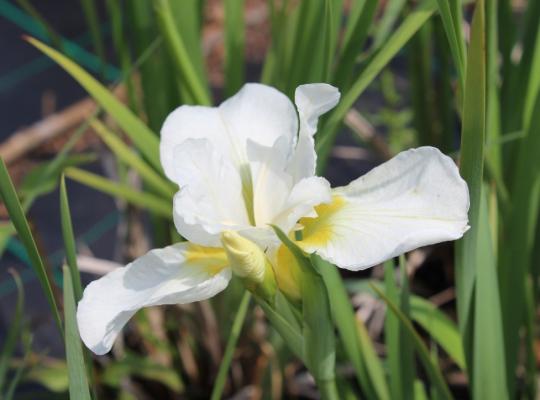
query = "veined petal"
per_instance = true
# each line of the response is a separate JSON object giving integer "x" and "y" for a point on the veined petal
{"x": 178, "y": 274}
{"x": 261, "y": 114}
{"x": 210, "y": 198}
{"x": 257, "y": 112}
{"x": 415, "y": 199}
{"x": 312, "y": 100}
{"x": 302, "y": 199}
{"x": 191, "y": 122}
{"x": 271, "y": 184}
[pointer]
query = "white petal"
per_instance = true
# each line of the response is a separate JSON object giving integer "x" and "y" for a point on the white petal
{"x": 257, "y": 112}
{"x": 415, "y": 199}
{"x": 190, "y": 122}
{"x": 177, "y": 274}
{"x": 210, "y": 199}
{"x": 261, "y": 114}
{"x": 312, "y": 100}
{"x": 271, "y": 185}
{"x": 302, "y": 199}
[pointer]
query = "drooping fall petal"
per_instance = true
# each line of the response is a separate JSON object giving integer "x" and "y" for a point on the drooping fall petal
{"x": 177, "y": 274}
{"x": 415, "y": 199}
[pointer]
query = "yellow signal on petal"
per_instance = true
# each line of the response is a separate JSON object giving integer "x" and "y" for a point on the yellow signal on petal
{"x": 212, "y": 259}
{"x": 318, "y": 230}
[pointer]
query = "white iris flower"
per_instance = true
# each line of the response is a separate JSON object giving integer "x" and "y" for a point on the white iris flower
{"x": 250, "y": 163}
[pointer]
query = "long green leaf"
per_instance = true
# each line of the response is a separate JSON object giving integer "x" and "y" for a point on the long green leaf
{"x": 286, "y": 328}
{"x": 359, "y": 22}
{"x": 219, "y": 383}
{"x": 92, "y": 21}
{"x": 190, "y": 79}
{"x": 234, "y": 46}
{"x": 124, "y": 153}
{"x": 432, "y": 370}
{"x": 471, "y": 168}
{"x": 69, "y": 240}
{"x": 399, "y": 38}
{"x": 16, "y": 214}
{"x": 143, "y": 138}
{"x": 13, "y": 332}
{"x": 521, "y": 222}
{"x": 489, "y": 364}
{"x": 78, "y": 383}
{"x": 452, "y": 26}
{"x": 354, "y": 336}
{"x": 317, "y": 329}
{"x": 443, "y": 330}
{"x": 399, "y": 349}
{"x": 122, "y": 191}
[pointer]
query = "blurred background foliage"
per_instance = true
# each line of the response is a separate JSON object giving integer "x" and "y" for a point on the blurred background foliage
{"x": 445, "y": 321}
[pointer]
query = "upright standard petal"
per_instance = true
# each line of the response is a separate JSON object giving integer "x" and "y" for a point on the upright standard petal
{"x": 257, "y": 112}
{"x": 415, "y": 199}
{"x": 312, "y": 101}
{"x": 210, "y": 199}
{"x": 178, "y": 274}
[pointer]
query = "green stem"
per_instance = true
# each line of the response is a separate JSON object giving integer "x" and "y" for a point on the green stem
{"x": 328, "y": 389}
{"x": 219, "y": 384}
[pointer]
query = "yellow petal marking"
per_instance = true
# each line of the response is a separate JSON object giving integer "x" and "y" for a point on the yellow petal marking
{"x": 318, "y": 231}
{"x": 212, "y": 259}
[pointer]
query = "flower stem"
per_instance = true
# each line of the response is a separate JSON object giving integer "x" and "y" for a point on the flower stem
{"x": 239, "y": 318}
{"x": 328, "y": 389}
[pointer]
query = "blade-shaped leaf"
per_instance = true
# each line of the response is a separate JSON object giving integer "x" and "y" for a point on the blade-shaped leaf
{"x": 78, "y": 382}
{"x": 122, "y": 191}
{"x": 354, "y": 336}
{"x": 143, "y": 138}
{"x": 432, "y": 370}
{"x": 471, "y": 168}
{"x": 124, "y": 153}
{"x": 69, "y": 241}
{"x": 18, "y": 219}
{"x": 397, "y": 40}
{"x": 219, "y": 383}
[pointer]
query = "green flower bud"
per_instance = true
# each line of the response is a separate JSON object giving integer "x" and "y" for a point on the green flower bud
{"x": 249, "y": 262}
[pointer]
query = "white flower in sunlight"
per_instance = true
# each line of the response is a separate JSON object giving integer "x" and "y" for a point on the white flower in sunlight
{"x": 251, "y": 162}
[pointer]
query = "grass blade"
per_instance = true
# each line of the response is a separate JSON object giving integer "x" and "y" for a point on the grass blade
{"x": 124, "y": 153}
{"x": 432, "y": 370}
{"x": 234, "y": 46}
{"x": 14, "y": 331}
{"x": 92, "y": 21}
{"x": 360, "y": 19}
{"x": 121, "y": 191}
{"x": 489, "y": 363}
{"x": 143, "y": 138}
{"x": 69, "y": 241}
{"x": 78, "y": 383}
{"x": 18, "y": 219}
{"x": 219, "y": 383}
{"x": 452, "y": 27}
{"x": 520, "y": 224}
{"x": 354, "y": 336}
{"x": 406, "y": 30}
{"x": 199, "y": 94}
{"x": 399, "y": 350}
{"x": 471, "y": 168}
{"x": 443, "y": 330}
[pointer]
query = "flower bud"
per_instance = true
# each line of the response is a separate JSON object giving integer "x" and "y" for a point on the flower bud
{"x": 249, "y": 262}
